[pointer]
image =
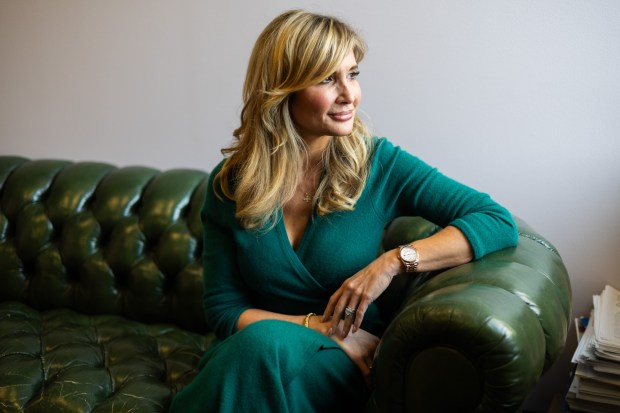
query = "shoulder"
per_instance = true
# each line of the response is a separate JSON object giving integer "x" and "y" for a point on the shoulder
{"x": 389, "y": 157}
{"x": 215, "y": 197}
{"x": 382, "y": 148}
{"x": 216, "y": 170}
{"x": 380, "y": 144}
{"x": 213, "y": 184}
{"x": 218, "y": 174}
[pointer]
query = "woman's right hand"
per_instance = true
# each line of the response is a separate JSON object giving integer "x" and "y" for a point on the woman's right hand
{"x": 359, "y": 346}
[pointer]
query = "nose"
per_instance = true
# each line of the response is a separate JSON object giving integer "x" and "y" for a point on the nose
{"x": 345, "y": 93}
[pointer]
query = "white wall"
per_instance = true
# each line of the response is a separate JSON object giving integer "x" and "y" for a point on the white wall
{"x": 520, "y": 99}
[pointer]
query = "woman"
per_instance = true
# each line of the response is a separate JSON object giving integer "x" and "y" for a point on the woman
{"x": 292, "y": 222}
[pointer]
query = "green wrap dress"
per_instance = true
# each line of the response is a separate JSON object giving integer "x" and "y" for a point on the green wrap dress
{"x": 276, "y": 366}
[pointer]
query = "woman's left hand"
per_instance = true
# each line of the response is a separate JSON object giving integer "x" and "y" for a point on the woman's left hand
{"x": 361, "y": 349}
{"x": 359, "y": 291}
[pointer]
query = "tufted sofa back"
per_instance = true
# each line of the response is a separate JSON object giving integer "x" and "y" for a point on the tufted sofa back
{"x": 102, "y": 240}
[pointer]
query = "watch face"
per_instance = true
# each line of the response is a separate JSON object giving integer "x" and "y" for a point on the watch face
{"x": 408, "y": 254}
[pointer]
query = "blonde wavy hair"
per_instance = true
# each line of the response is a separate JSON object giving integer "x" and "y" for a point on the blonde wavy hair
{"x": 296, "y": 50}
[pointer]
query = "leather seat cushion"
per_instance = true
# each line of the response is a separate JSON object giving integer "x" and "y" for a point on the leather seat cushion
{"x": 61, "y": 360}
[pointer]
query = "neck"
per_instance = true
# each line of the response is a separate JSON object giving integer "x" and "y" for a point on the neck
{"x": 315, "y": 148}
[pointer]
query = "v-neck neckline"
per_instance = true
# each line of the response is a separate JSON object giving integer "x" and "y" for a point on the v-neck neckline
{"x": 298, "y": 257}
{"x": 298, "y": 252}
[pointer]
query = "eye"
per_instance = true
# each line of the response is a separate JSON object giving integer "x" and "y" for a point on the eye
{"x": 353, "y": 75}
{"x": 327, "y": 80}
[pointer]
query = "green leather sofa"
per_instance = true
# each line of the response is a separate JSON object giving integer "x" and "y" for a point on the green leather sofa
{"x": 101, "y": 307}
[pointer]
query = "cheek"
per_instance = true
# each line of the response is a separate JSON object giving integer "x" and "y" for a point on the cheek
{"x": 318, "y": 103}
{"x": 308, "y": 108}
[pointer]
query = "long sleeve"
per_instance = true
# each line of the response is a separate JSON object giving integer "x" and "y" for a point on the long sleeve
{"x": 225, "y": 294}
{"x": 411, "y": 187}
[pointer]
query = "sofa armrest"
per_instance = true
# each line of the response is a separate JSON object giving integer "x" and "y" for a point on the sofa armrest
{"x": 476, "y": 337}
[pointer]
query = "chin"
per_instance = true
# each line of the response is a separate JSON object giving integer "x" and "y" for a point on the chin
{"x": 342, "y": 131}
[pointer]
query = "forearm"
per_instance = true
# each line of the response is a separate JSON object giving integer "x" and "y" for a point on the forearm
{"x": 447, "y": 248}
{"x": 254, "y": 314}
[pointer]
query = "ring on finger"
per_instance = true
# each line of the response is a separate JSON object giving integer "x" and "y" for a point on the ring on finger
{"x": 349, "y": 312}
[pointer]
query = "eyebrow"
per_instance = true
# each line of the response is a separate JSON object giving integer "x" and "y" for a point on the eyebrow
{"x": 351, "y": 69}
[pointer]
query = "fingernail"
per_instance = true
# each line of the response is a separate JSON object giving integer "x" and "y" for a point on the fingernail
{"x": 330, "y": 332}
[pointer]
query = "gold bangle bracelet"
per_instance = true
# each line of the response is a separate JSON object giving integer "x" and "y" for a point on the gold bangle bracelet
{"x": 307, "y": 320}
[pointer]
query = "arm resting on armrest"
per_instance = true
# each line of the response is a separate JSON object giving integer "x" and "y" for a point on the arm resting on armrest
{"x": 476, "y": 337}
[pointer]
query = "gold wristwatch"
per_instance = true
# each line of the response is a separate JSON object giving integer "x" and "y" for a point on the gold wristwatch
{"x": 409, "y": 256}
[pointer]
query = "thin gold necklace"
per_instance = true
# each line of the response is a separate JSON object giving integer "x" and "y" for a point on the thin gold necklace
{"x": 308, "y": 196}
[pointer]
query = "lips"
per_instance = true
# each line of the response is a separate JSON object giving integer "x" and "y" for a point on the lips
{"x": 342, "y": 116}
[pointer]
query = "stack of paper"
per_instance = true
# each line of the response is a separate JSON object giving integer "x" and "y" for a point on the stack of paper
{"x": 596, "y": 384}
